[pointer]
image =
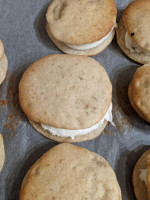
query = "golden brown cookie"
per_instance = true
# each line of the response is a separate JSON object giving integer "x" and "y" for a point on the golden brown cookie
{"x": 139, "y": 92}
{"x": 140, "y": 57}
{"x": 140, "y": 188}
{"x": 136, "y": 18}
{"x": 133, "y": 32}
{"x": 66, "y": 92}
{"x": 90, "y": 52}
{"x": 2, "y": 152}
{"x": 70, "y": 172}
{"x": 75, "y": 22}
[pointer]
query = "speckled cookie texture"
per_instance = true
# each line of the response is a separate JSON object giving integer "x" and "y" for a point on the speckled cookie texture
{"x": 69, "y": 20}
{"x": 69, "y": 172}
{"x": 64, "y": 91}
{"x": 140, "y": 188}
{"x": 136, "y": 22}
{"x": 80, "y": 22}
{"x": 2, "y": 152}
{"x": 139, "y": 92}
{"x": 136, "y": 19}
{"x": 140, "y": 57}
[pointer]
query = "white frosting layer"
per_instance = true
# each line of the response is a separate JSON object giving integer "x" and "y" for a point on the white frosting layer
{"x": 91, "y": 45}
{"x": 143, "y": 175}
{"x": 73, "y": 133}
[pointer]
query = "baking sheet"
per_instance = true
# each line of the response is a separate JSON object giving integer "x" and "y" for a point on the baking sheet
{"x": 22, "y": 29}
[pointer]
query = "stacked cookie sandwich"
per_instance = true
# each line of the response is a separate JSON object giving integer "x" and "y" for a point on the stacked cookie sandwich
{"x": 69, "y": 172}
{"x": 141, "y": 177}
{"x": 67, "y": 98}
{"x": 133, "y": 32}
{"x": 81, "y": 27}
{"x": 139, "y": 92}
{"x": 3, "y": 63}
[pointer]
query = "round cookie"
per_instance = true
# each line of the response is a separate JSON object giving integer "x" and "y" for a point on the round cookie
{"x": 130, "y": 95}
{"x": 3, "y": 68}
{"x": 75, "y": 22}
{"x": 65, "y": 92}
{"x": 70, "y": 172}
{"x": 68, "y": 20}
{"x": 94, "y": 51}
{"x": 1, "y": 49}
{"x": 136, "y": 18}
{"x": 2, "y": 152}
{"x": 139, "y": 186}
{"x": 139, "y": 92}
{"x": 140, "y": 57}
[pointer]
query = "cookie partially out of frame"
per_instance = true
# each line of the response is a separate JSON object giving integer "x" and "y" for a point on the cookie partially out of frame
{"x": 133, "y": 32}
{"x": 136, "y": 19}
{"x": 70, "y": 172}
{"x": 140, "y": 57}
{"x": 1, "y": 49}
{"x": 140, "y": 188}
{"x": 3, "y": 68}
{"x": 2, "y": 152}
{"x": 139, "y": 92}
{"x": 3, "y": 63}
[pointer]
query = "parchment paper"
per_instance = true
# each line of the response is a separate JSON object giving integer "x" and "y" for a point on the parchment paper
{"x": 22, "y": 29}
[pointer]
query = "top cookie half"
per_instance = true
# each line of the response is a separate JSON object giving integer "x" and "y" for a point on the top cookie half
{"x": 140, "y": 188}
{"x": 64, "y": 91}
{"x": 136, "y": 20}
{"x": 81, "y": 21}
{"x": 141, "y": 90}
{"x": 69, "y": 172}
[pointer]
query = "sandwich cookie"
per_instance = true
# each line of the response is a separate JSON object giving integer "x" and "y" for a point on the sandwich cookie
{"x": 139, "y": 92}
{"x": 141, "y": 177}
{"x": 70, "y": 172}
{"x": 133, "y": 32}
{"x": 81, "y": 27}
{"x": 67, "y": 98}
{"x": 3, "y": 63}
{"x": 2, "y": 152}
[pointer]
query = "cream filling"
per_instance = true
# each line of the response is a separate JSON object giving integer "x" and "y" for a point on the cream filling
{"x": 91, "y": 45}
{"x": 132, "y": 46}
{"x": 72, "y": 133}
{"x": 143, "y": 175}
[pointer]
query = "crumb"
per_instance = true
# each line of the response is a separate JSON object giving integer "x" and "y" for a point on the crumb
{"x": 3, "y": 102}
{"x": 12, "y": 124}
